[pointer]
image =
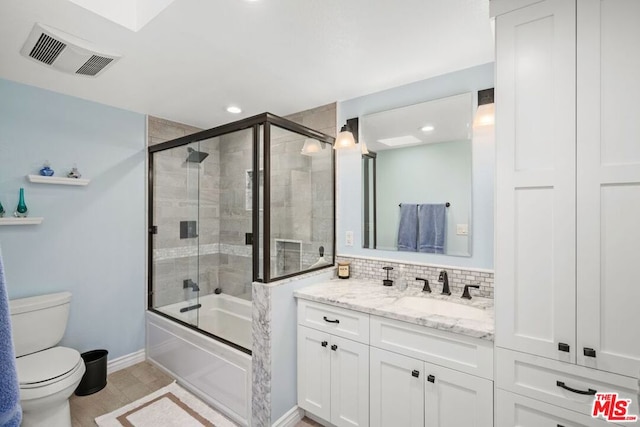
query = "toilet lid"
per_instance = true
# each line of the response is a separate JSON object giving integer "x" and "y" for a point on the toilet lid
{"x": 46, "y": 365}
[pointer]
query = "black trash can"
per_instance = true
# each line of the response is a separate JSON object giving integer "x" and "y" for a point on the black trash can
{"x": 95, "y": 377}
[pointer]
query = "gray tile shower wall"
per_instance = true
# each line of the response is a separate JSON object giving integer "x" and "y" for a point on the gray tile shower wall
{"x": 215, "y": 193}
{"x": 370, "y": 268}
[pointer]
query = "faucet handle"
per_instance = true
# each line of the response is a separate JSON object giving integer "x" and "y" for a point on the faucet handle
{"x": 426, "y": 287}
{"x": 465, "y": 293}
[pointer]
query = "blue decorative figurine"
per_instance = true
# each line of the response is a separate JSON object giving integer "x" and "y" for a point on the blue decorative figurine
{"x": 46, "y": 170}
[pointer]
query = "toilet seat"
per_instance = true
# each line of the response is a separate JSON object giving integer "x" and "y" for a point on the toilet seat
{"x": 46, "y": 367}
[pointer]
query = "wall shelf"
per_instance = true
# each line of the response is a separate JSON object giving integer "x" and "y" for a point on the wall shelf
{"x": 21, "y": 221}
{"x": 39, "y": 179}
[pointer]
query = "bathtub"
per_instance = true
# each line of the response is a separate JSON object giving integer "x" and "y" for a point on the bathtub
{"x": 214, "y": 371}
{"x": 225, "y": 316}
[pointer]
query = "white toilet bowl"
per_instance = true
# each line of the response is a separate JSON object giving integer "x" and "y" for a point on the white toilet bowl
{"x": 47, "y": 379}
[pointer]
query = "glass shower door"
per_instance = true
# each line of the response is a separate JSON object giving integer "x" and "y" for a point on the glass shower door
{"x": 175, "y": 238}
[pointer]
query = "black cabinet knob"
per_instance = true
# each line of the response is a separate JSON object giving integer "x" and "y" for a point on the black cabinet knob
{"x": 324, "y": 343}
{"x": 563, "y": 347}
{"x": 589, "y": 352}
{"x": 431, "y": 379}
{"x": 334, "y": 347}
{"x": 415, "y": 373}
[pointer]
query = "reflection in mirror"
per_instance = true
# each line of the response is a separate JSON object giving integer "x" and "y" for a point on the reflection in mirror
{"x": 419, "y": 162}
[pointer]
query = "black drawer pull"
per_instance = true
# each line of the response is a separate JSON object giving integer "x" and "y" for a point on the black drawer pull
{"x": 415, "y": 373}
{"x": 324, "y": 343}
{"x": 563, "y": 347}
{"x": 334, "y": 347}
{"x": 589, "y": 392}
{"x": 331, "y": 321}
{"x": 589, "y": 352}
{"x": 431, "y": 379}
{"x": 560, "y": 425}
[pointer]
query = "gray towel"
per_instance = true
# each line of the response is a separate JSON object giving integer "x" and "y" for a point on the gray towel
{"x": 431, "y": 228}
{"x": 10, "y": 411}
{"x": 408, "y": 228}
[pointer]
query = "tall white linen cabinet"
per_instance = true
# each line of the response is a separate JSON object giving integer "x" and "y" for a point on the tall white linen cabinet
{"x": 567, "y": 208}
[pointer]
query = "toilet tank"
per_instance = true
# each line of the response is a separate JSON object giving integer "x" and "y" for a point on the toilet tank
{"x": 38, "y": 322}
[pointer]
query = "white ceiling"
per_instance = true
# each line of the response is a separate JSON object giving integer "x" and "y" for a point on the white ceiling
{"x": 197, "y": 57}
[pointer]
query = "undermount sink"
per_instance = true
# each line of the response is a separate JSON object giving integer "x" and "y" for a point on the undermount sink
{"x": 442, "y": 308}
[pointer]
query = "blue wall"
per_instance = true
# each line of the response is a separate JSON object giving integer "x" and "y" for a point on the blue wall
{"x": 349, "y": 169}
{"x": 92, "y": 239}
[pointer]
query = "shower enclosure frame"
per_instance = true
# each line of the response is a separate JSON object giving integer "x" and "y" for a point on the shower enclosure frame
{"x": 254, "y": 122}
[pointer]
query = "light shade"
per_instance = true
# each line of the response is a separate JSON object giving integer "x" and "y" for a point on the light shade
{"x": 311, "y": 147}
{"x": 344, "y": 140}
{"x": 485, "y": 116}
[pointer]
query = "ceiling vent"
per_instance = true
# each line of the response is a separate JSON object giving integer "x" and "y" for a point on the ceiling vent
{"x": 66, "y": 53}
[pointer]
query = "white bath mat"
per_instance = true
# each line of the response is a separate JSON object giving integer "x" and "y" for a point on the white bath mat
{"x": 171, "y": 406}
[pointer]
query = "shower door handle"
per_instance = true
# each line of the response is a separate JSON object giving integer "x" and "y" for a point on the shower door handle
{"x": 331, "y": 321}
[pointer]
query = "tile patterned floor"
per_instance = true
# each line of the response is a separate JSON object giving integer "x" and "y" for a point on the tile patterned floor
{"x": 124, "y": 387}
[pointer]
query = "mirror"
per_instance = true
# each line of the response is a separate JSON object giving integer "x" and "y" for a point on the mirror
{"x": 417, "y": 177}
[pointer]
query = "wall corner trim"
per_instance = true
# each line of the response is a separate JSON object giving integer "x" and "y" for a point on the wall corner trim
{"x": 290, "y": 418}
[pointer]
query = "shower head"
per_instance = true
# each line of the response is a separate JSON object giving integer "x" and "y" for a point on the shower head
{"x": 196, "y": 156}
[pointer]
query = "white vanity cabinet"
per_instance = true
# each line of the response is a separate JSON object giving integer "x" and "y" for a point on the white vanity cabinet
{"x": 409, "y": 392}
{"x": 333, "y": 372}
{"x": 568, "y": 181}
{"x": 390, "y": 373}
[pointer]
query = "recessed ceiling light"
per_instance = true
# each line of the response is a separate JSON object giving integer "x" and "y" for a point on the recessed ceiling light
{"x": 427, "y": 128}
{"x": 234, "y": 110}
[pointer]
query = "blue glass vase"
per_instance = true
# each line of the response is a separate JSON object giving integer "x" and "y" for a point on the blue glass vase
{"x": 21, "y": 210}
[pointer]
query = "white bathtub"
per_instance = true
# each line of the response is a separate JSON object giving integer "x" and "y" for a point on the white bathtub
{"x": 218, "y": 373}
{"x": 224, "y": 316}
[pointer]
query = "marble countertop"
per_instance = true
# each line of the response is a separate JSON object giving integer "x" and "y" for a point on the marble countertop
{"x": 474, "y": 318}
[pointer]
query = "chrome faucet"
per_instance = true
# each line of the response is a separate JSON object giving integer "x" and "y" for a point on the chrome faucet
{"x": 444, "y": 279}
{"x": 188, "y": 283}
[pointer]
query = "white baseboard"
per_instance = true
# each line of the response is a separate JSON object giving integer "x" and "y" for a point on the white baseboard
{"x": 126, "y": 361}
{"x": 290, "y": 418}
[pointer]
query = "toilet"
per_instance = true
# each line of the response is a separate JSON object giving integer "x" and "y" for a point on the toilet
{"x": 48, "y": 374}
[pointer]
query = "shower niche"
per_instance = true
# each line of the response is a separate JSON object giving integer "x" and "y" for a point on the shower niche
{"x": 232, "y": 205}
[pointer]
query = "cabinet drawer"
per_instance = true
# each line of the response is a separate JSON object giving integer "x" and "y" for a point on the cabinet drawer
{"x": 515, "y": 410}
{"x": 471, "y": 355}
{"x": 542, "y": 379}
{"x": 334, "y": 320}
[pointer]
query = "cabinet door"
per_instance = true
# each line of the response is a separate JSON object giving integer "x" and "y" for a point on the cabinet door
{"x": 608, "y": 185}
{"x": 349, "y": 383}
{"x": 314, "y": 387}
{"x": 456, "y": 399}
{"x": 535, "y": 179}
{"x": 520, "y": 411}
{"x": 397, "y": 390}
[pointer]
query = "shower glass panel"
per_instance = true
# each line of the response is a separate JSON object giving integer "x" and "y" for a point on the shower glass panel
{"x": 176, "y": 244}
{"x": 230, "y": 206}
{"x": 301, "y": 184}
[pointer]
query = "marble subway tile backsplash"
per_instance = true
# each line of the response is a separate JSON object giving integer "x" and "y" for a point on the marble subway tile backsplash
{"x": 369, "y": 268}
